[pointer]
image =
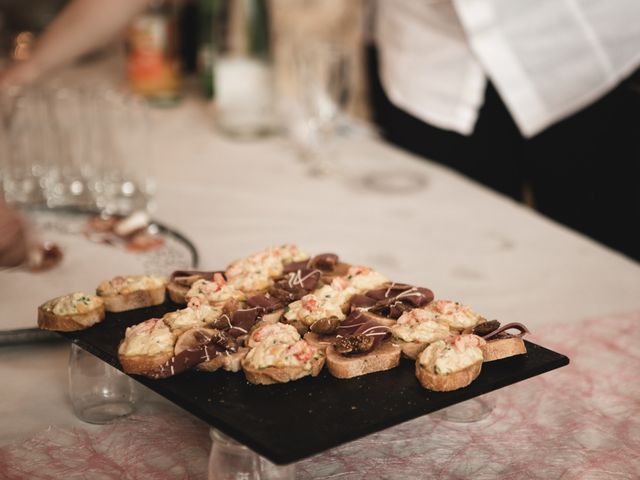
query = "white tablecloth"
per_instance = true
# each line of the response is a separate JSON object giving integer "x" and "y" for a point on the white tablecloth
{"x": 233, "y": 198}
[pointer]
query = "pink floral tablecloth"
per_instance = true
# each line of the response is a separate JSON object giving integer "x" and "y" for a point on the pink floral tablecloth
{"x": 579, "y": 422}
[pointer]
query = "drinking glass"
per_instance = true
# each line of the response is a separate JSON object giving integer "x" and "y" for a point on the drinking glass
{"x": 74, "y": 145}
{"x": 99, "y": 393}
{"x": 470, "y": 411}
{"x": 25, "y": 128}
{"x": 69, "y": 174}
{"x": 229, "y": 460}
{"x": 119, "y": 139}
{"x": 315, "y": 100}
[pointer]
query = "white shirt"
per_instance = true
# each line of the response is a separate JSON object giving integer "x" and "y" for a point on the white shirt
{"x": 547, "y": 58}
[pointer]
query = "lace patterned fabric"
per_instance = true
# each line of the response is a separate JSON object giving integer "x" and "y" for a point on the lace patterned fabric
{"x": 577, "y": 422}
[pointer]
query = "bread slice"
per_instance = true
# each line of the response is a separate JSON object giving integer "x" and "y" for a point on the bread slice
{"x": 177, "y": 293}
{"x": 272, "y": 375}
{"x": 447, "y": 383}
{"x": 321, "y": 342}
{"x": 230, "y": 362}
{"x": 135, "y": 299}
{"x": 143, "y": 364}
{"x": 384, "y": 357}
{"x": 48, "y": 320}
{"x": 502, "y": 348}
{"x": 411, "y": 349}
{"x": 146, "y": 346}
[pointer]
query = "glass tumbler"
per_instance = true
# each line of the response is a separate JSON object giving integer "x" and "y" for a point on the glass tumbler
{"x": 317, "y": 97}
{"x": 229, "y": 460}
{"x": 469, "y": 411}
{"x": 99, "y": 393}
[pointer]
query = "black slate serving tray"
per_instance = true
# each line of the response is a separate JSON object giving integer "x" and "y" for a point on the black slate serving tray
{"x": 291, "y": 421}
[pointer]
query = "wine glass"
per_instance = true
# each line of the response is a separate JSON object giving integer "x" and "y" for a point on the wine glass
{"x": 317, "y": 95}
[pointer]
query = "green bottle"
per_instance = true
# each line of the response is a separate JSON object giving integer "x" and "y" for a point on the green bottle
{"x": 206, "y": 47}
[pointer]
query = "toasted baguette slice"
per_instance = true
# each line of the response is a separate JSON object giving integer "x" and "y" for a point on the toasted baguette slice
{"x": 146, "y": 346}
{"x": 272, "y": 375}
{"x": 321, "y": 342}
{"x": 230, "y": 363}
{"x": 70, "y": 322}
{"x": 384, "y": 357}
{"x": 133, "y": 300}
{"x": 141, "y": 291}
{"x": 438, "y": 366}
{"x": 502, "y": 348}
{"x": 411, "y": 349}
{"x": 447, "y": 383}
{"x": 177, "y": 293}
{"x": 143, "y": 364}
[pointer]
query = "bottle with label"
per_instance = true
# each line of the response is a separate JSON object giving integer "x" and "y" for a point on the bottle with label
{"x": 153, "y": 56}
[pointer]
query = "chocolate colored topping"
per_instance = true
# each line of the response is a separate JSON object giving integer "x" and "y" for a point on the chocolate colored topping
{"x": 325, "y": 326}
{"x": 300, "y": 279}
{"x": 522, "y": 331}
{"x": 294, "y": 285}
{"x": 354, "y": 344}
{"x": 325, "y": 262}
{"x": 211, "y": 347}
{"x": 354, "y": 321}
{"x": 485, "y": 328}
{"x": 223, "y": 322}
{"x": 240, "y": 322}
{"x": 393, "y": 300}
{"x": 293, "y": 266}
{"x": 361, "y": 301}
{"x": 243, "y": 320}
{"x": 285, "y": 296}
{"x": 357, "y": 325}
{"x": 265, "y": 301}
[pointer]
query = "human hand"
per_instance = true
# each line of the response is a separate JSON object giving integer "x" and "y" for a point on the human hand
{"x": 13, "y": 244}
{"x": 18, "y": 74}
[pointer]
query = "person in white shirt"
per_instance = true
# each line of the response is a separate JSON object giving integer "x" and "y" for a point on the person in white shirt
{"x": 537, "y": 97}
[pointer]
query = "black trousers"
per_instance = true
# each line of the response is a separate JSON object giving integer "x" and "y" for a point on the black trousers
{"x": 583, "y": 172}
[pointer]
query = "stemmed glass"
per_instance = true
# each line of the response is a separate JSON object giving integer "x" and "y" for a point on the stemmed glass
{"x": 317, "y": 95}
{"x": 315, "y": 98}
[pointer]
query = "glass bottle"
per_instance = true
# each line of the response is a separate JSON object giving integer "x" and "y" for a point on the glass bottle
{"x": 153, "y": 61}
{"x": 205, "y": 47}
{"x": 244, "y": 89}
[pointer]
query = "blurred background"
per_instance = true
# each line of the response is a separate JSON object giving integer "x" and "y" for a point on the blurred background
{"x": 542, "y": 110}
{"x": 249, "y": 59}
{"x": 189, "y": 26}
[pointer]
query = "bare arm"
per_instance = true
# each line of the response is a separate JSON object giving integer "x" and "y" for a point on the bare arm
{"x": 13, "y": 246}
{"x": 82, "y": 26}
